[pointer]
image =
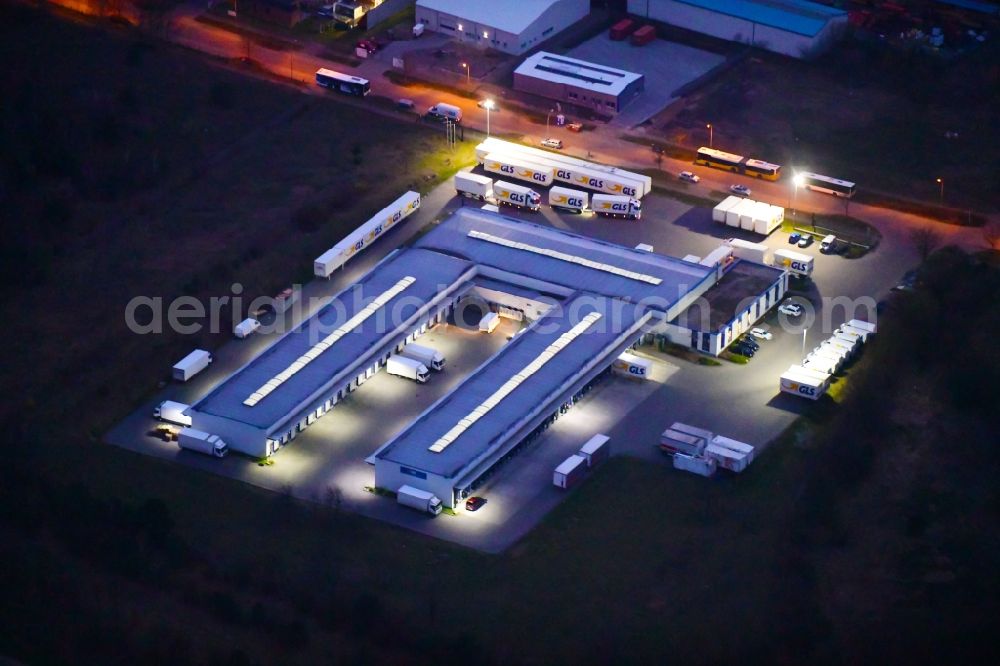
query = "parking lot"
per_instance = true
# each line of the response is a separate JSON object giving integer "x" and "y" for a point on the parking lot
{"x": 327, "y": 460}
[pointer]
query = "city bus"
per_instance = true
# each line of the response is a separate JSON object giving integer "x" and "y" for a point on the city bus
{"x": 813, "y": 181}
{"x": 719, "y": 159}
{"x": 762, "y": 169}
{"x": 345, "y": 83}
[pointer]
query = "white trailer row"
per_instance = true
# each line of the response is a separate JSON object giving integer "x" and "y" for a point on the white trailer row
{"x": 700, "y": 451}
{"x": 812, "y": 378}
{"x": 749, "y": 215}
{"x": 363, "y": 236}
{"x": 571, "y": 170}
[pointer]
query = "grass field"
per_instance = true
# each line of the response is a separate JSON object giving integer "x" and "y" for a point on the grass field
{"x": 117, "y": 558}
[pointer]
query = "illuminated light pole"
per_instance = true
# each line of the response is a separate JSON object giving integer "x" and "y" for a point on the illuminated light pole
{"x": 940, "y": 182}
{"x": 488, "y": 105}
{"x": 468, "y": 73}
{"x": 547, "y": 116}
{"x": 797, "y": 182}
{"x": 804, "y": 342}
{"x": 710, "y": 132}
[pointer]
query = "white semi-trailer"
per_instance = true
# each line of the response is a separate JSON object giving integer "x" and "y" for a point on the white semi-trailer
{"x": 402, "y": 366}
{"x": 596, "y": 450}
{"x": 804, "y": 382}
{"x": 755, "y": 252}
{"x": 616, "y": 206}
{"x": 421, "y": 500}
{"x": 719, "y": 212}
{"x": 191, "y": 365}
{"x": 695, "y": 464}
{"x": 474, "y": 186}
{"x": 246, "y": 328}
{"x": 363, "y": 236}
{"x": 489, "y": 322}
{"x": 569, "y": 472}
{"x": 202, "y": 442}
{"x": 857, "y": 323}
{"x": 574, "y": 201}
{"x": 431, "y": 358}
{"x": 172, "y": 412}
{"x": 796, "y": 262}
{"x": 633, "y": 366}
{"x": 518, "y": 167}
{"x": 518, "y": 196}
{"x": 730, "y": 454}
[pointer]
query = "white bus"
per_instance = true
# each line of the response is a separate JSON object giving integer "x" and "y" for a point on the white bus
{"x": 840, "y": 188}
{"x": 345, "y": 83}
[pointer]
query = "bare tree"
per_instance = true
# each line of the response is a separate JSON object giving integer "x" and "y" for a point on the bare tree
{"x": 926, "y": 240}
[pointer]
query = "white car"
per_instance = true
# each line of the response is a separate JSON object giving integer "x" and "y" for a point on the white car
{"x": 552, "y": 143}
{"x": 741, "y": 190}
{"x": 689, "y": 177}
{"x": 761, "y": 334}
{"x": 790, "y": 309}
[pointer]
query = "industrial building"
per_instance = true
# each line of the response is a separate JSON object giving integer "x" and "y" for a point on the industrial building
{"x": 796, "y": 28}
{"x": 599, "y": 87}
{"x": 511, "y": 26}
{"x": 583, "y": 302}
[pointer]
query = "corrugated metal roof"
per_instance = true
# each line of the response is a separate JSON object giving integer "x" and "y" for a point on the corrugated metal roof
{"x": 798, "y": 16}
{"x": 513, "y": 16}
{"x": 578, "y": 73}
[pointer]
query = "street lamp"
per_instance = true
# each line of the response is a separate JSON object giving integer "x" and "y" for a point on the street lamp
{"x": 468, "y": 73}
{"x": 488, "y": 105}
{"x": 547, "y": 116}
{"x": 797, "y": 182}
{"x": 804, "y": 342}
{"x": 709, "y": 126}
{"x": 940, "y": 182}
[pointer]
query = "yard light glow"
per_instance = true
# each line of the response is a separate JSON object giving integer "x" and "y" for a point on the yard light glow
{"x": 798, "y": 180}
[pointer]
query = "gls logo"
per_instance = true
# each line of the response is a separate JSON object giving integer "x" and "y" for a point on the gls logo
{"x": 515, "y": 197}
{"x": 798, "y": 266}
{"x": 807, "y": 390}
{"x": 596, "y": 183}
{"x": 636, "y": 370}
{"x": 564, "y": 175}
{"x": 630, "y": 191}
{"x": 620, "y": 207}
{"x": 506, "y": 168}
{"x": 540, "y": 177}
{"x": 575, "y": 201}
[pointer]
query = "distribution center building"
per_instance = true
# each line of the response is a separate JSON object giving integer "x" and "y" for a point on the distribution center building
{"x": 511, "y": 26}
{"x": 796, "y": 28}
{"x": 602, "y": 88}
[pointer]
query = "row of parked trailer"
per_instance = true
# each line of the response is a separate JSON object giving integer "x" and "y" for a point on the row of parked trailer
{"x": 812, "y": 377}
{"x": 483, "y": 188}
{"x": 702, "y": 452}
{"x": 749, "y": 215}
{"x": 573, "y": 469}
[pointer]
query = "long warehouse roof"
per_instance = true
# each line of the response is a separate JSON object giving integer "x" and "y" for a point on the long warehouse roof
{"x": 408, "y": 278}
{"x": 798, "y": 16}
{"x": 465, "y": 425}
{"x": 490, "y": 240}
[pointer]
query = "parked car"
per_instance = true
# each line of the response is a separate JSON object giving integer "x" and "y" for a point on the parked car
{"x": 828, "y": 244}
{"x": 794, "y": 238}
{"x": 761, "y": 334}
{"x": 791, "y": 309}
{"x": 552, "y": 143}
{"x": 689, "y": 177}
{"x": 474, "y": 503}
{"x": 741, "y": 190}
{"x": 742, "y": 350}
{"x": 367, "y": 45}
{"x": 575, "y": 127}
{"x": 805, "y": 241}
{"x": 325, "y": 12}
{"x": 749, "y": 342}
{"x": 404, "y": 103}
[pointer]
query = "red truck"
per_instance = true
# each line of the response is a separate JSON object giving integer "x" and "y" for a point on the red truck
{"x": 643, "y": 35}
{"x": 622, "y": 29}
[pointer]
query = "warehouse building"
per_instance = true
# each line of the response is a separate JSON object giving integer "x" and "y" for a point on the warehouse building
{"x": 796, "y": 28}
{"x": 511, "y": 26}
{"x": 602, "y": 88}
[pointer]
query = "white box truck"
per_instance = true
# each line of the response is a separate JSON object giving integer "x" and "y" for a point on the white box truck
{"x": 755, "y": 252}
{"x": 202, "y": 442}
{"x": 446, "y": 112}
{"x": 616, "y": 206}
{"x": 431, "y": 358}
{"x": 521, "y": 168}
{"x": 518, "y": 196}
{"x": 402, "y": 366}
{"x": 569, "y": 472}
{"x": 489, "y": 322}
{"x": 172, "y": 412}
{"x": 474, "y": 186}
{"x": 596, "y": 450}
{"x": 631, "y": 365}
{"x": 421, "y": 500}
{"x": 563, "y": 198}
{"x": 191, "y": 365}
{"x": 246, "y": 328}
{"x": 696, "y": 465}
{"x": 796, "y": 262}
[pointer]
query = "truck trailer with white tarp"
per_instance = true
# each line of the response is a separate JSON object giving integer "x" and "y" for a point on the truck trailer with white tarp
{"x": 804, "y": 382}
{"x": 569, "y": 472}
{"x": 363, "y": 236}
{"x": 748, "y": 214}
{"x": 596, "y": 450}
{"x": 695, "y": 464}
{"x": 720, "y": 210}
{"x": 755, "y": 252}
{"x": 631, "y": 365}
{"x": 862, "y": 333}
{"x": 518, "y": 167}
{"x": 795, "y": 262}
{"x": 857, "y": 323}
{"x": 821, "y": 363}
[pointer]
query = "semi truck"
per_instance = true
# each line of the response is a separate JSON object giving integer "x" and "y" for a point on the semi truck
{"x": 563, "y": 198}
{"x": 795, "y": 262}
{"x": 633, "y": 366}
{"x": 596, "y": 450}
{"x": 191, "y": 365}
{"x": 569, "y": 472}
{"x": 518, "y": 196}
{"x": 202, "y": 442}
{"x": 431, "y": 358}
{"x": 246, "y": 328}
{"x": 474, "y": 186}
{"x": 616, "y": 206}
{"x": 421, "y": 500}
{"x": 446, "y": 112}
{"x": 518, "y": 167}
{"x": 172, "y": 412}
{"x": 365, "y": 235}
{"x": 402, "y": 366}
